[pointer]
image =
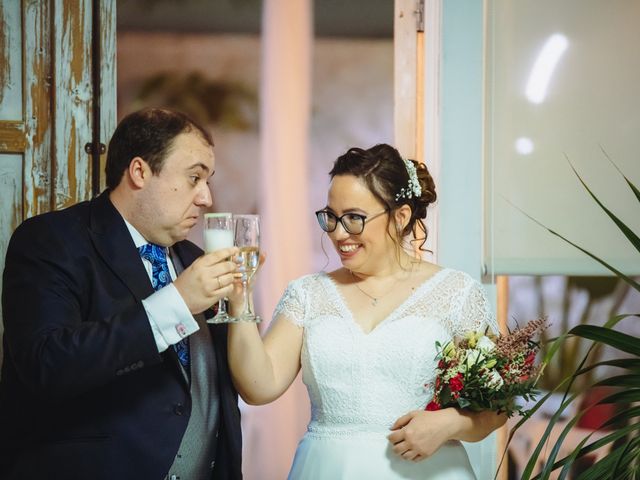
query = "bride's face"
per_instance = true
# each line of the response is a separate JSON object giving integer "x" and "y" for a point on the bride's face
{"x": 370, "y": 250}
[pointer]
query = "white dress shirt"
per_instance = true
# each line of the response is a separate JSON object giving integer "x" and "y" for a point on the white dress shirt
{"x": 168, "y": 314}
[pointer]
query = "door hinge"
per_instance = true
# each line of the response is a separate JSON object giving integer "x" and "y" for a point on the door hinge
{"x": 419, "y": 13}
{"x": 89, "y": 148}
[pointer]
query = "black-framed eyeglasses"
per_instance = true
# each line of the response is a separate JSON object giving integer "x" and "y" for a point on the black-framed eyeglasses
{"x": 352, "y": 223}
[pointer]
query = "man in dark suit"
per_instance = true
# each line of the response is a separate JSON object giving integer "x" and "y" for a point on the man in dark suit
{"x": 110, "y": 370}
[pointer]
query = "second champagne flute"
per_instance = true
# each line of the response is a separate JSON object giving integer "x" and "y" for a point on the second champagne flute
{"x": 247, "y": 238}
{"x": 218, "y": 234}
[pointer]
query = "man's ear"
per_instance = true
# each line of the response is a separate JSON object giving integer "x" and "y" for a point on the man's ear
{"x": 139, "y": 172}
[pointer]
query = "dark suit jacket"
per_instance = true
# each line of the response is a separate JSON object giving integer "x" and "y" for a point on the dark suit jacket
{"x": 84, "y": 392}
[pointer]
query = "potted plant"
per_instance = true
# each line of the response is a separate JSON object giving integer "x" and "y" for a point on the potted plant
{"x": 618, "y": 436}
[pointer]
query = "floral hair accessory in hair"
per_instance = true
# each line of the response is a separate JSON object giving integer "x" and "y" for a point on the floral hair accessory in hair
{"x": 413, "y": 188}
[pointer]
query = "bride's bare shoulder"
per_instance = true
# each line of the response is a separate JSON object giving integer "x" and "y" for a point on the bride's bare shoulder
{"x": 425, "y": 270}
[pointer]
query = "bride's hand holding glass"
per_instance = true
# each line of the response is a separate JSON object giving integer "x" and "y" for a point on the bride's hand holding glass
{"x": 237, "y": 296}
{"x": 247, "y": 239}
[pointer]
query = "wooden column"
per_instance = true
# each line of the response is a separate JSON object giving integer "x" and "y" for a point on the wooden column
{"x": 502, "y": 315}
{"x": 405, "y": 78}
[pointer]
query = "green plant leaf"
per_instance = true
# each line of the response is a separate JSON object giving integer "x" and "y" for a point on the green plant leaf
{"x": 621, "y": 275}
{"x": 604, "y": 467}
{"x": 568, "y": 381}
{"x": 610, "y": 438}
{"x": 635, "y": 191}
{"x": 555, "y": 346}
{"x": 623, "y": 416}
{"x": 613, "y": 338}
{"x": 623, "y": 460}
{"x": 620, "y": 381}
{"x": 621, "y": 464}
{"x": 531, "y": 464}
{"x": 550, "y": 464}
{"x": 548, "y": 467}
{"x": 632, "y": 364}
{"x": 626, "y": 396}
{"x": 566, "y": 469}
{"x": 631, "y": 236}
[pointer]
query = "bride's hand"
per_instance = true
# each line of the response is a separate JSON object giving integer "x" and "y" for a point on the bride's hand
{"x": 419, "y": 434}
{"x": 236, "y": 296}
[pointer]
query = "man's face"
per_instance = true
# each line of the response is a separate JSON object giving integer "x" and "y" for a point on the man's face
{"x": 171, "y": 201}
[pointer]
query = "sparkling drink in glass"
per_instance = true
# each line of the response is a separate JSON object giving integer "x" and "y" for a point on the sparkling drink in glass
{"x": 218, "y": 234}
{"x": 247, "y": 239}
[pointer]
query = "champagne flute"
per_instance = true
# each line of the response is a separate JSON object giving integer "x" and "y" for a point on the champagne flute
{"x": 218, "y": 234}
{"x": 247, "y": 238}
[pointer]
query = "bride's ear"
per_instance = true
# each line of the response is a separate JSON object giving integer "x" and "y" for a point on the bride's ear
{"x": 401, "y": 217}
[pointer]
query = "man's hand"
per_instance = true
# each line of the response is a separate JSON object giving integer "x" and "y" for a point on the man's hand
{"x": 419, "y": 434}
{"x": 207, "y": 280}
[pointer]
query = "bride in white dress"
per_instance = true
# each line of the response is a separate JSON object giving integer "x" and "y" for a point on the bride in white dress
{"x": 364, "y": 335}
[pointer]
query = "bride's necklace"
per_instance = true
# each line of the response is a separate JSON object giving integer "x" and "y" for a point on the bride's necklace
{"x": 374, "y": 300}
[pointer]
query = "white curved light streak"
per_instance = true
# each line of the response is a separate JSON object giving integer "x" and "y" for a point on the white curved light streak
{"x": 544, "y": 67}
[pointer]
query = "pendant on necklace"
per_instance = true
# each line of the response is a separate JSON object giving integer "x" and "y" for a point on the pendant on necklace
{"x": 374, "y": 302}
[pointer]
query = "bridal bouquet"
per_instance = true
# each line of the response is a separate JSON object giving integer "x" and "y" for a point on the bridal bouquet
{"x": 488, "y": 372}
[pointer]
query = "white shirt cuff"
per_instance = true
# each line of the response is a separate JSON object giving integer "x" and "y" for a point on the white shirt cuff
{"x": 169, "y": 317}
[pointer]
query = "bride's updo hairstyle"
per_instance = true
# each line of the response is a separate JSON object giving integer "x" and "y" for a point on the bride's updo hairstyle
{"x": 385, "y": 173}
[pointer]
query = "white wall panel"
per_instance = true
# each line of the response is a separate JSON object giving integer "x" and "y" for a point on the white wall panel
{"x": 563, "y": 80}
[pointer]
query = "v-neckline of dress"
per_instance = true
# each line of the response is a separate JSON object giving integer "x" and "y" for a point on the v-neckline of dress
{"x": 423, "y": 288}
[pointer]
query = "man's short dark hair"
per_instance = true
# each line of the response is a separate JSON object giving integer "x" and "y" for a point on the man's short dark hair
{"x": 147, "y": 134}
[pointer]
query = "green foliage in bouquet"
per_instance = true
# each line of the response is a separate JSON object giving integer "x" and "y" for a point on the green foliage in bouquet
{"x": 487, "y": 372}
{"x": 621, "y": 436}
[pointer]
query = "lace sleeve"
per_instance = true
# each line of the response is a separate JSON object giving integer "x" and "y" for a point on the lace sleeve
{"x": 475, "y": 311}
{"x": 292, "y": 304}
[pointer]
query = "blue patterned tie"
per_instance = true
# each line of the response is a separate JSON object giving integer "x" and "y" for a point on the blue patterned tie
{"x": 160, "y": 277}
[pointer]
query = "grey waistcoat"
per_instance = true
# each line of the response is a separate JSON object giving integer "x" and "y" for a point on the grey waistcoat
{"x": 195, "y": 457}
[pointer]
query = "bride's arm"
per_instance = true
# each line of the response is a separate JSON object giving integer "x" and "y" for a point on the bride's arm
{"x": 419, "y": 434}
{"x": 475, "y": 426}
{"x": 262, "y": 369}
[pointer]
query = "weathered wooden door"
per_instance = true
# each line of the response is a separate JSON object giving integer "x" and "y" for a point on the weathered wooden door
{"x": 50, "y": 104}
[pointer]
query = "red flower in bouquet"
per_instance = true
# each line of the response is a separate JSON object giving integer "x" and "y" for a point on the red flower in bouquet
{"x": 530, "y": 358}
{"x": 487, "y": 372}
{"x": 455, "y": 384}
{"x": 432, "y": 407}
{"x": 438, "y": 382}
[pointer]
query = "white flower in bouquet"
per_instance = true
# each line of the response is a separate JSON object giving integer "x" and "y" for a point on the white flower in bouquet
{"x": 485, "y": 344}
{"x": 495, "y": 380}
{"x": 484, "y": 372}
{"x": 449, "y": 350}
{"x": 474, "y": 357}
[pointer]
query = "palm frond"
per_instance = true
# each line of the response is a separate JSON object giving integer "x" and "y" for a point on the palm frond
{"x": 622, "y": 457}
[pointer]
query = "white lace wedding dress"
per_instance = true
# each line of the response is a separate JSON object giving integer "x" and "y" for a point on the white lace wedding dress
{"x": 360, "y": 384}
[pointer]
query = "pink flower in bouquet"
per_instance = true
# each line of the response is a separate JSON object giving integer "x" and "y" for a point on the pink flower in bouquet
{"x": 487, "y": 372}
